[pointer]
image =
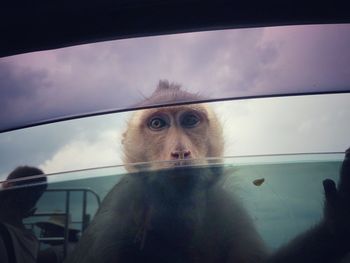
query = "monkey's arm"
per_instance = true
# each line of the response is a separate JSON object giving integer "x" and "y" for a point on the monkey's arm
{"x": 329, "y": 241}
{"x": 104, "y": 239}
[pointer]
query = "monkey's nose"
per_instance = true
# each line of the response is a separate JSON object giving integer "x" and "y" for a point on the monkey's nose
{"x": 180, "y": 155}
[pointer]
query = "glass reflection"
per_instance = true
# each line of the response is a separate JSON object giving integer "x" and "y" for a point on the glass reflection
{"x": 287, "y": 202}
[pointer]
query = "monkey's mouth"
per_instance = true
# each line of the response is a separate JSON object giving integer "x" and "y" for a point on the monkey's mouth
{"x": 170, "y": 164}
{"x": 179, "y": 163}
{"x": 182, "y": 163}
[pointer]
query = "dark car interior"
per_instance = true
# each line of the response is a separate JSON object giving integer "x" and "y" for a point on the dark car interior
{"x": 299, "y": 186}
{"x": 41, "y": 25}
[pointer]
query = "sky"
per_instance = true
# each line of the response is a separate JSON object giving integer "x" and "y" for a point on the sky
{"x": 305, "y": 124}
{"x": 225, "y": 63}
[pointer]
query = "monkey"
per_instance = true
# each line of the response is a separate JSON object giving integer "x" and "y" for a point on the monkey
{"x": 172, "y": 206}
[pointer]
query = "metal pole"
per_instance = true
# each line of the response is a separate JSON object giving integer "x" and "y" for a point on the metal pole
{"x": 66, "y": 229}
{"x": 84, "y": 211}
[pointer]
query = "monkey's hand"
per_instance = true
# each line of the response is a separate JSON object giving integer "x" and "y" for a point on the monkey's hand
{"x": 337, "y": 205}
{"x": 328, "y": 241}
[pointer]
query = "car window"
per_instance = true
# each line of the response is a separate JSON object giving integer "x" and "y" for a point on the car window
{"x": 285, "y": 125}
{"x": 282, "y": 194}
{"x": 278, "y": 152}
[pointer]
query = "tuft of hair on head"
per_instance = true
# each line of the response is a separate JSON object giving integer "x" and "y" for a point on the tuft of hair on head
{"x": 165, "y": 85}
{"x": 167, "y": 92}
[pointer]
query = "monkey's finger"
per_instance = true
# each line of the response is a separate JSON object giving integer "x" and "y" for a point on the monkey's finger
{"x": 330, "y": 191}
{"x": 344, "y": 183}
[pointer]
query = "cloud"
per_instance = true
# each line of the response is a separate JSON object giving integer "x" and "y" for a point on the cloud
{"x": 31, "y": 146}
{"x": 82, "y": 154}
{"x": 85, "y": 142}
{"x": 286, "y": 125}
{"x": 21, "y": 90}
{"x": 309, "y": 58}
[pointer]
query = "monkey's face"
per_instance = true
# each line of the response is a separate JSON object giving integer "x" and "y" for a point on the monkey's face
{"x": 176, "y": 136}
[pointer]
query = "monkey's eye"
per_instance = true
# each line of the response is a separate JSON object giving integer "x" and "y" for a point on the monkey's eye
{"x": 190, "y": 120}
{"x": 157, "y": 123}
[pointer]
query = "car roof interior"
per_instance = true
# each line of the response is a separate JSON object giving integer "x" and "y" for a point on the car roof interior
{"x": 28, "y": 26}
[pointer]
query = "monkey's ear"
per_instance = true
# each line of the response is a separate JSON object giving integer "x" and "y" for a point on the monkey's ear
{"x": 123, "y": 137}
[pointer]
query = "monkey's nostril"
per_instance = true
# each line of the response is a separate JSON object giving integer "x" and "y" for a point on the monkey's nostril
{"x": 175, "y": 155}
{"x": 180, "y": 155}
{"x": 187, "y": 154}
